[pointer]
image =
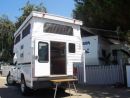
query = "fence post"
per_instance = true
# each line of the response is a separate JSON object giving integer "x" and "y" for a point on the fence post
{"x": 84, "y": 68}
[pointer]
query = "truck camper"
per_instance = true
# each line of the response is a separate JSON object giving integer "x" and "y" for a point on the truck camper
{"x": 46, "y": 47}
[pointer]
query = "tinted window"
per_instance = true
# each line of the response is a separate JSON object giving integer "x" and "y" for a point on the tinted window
{"x": 58, "y": 29}
{"x": 26, "y": 31}
{"x": 17, "y": 39}
{"x": 71, "y": 48}
{"x": 43, "y": 52}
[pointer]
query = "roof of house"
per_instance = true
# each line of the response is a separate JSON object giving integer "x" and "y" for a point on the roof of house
{"x": 109, "y": 34}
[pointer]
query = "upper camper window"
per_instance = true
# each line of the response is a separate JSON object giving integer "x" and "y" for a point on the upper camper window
{"x": 71, "y": 48}
{"x": 58, "y": 29}
{"x": 26, "y": 31}
{"x": 17, "y": 39}
{"x": 43, "y": 52}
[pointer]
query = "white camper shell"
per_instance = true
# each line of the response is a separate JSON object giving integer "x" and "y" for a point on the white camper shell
{"x": 46, "y": 47}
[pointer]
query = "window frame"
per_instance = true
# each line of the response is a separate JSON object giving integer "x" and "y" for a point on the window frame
{"x": 24, "y": 31}
{"x": 41, "y": 61}
{"x": 56, "y": 25}
{"x": 17, "y": 40}
{"x": 70, "y": 48}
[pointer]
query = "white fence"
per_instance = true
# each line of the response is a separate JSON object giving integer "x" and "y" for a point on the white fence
{"x": 102, "y": 75}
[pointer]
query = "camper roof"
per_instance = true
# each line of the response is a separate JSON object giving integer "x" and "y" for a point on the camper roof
{"x": 48, "y": 16}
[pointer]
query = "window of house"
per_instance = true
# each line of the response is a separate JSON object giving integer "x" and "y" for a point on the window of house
{"x": 17, "y": 39}
{"x": 26, "y": 31}
{"x": 104, "y": 53}
{"x": 114, "y": 52}
{"x": 71, "y": 48}
{"x": 58, "y": 29}
{"x": 43, "y": 52}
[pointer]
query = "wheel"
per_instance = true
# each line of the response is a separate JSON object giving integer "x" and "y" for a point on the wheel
{"x": 23, "y": 88}
{"x": 9, "y": 79}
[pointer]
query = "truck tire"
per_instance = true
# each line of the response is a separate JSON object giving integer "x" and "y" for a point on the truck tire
{"x": 23, "y": 88}
{"x": 10, "y": 80}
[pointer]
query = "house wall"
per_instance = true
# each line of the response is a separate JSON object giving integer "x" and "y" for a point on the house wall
{"x": 90, "y": 45}
{"x": 94, "y": 45}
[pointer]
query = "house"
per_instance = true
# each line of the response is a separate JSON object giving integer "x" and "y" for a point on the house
{"x": 103, "y": 47}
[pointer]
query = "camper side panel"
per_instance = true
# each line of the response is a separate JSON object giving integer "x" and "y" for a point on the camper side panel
{"x": 23, "y": 56}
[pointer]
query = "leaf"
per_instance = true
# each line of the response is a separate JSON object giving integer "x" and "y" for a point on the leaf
{"x": 27, "y": 9}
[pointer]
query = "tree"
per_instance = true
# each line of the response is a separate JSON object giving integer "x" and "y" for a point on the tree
{"x": 105, "y": 14}
{"x": 7, "y": 29}
{"x": 26, "y": 10}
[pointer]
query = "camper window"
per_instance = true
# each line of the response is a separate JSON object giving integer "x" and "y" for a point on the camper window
{"x": 26, "y": 31}
{"x": 17, "y": 39}
{"x": 71, "y": 48}
{"x": 58, "y": 29}
{"x": 43, "y": 52}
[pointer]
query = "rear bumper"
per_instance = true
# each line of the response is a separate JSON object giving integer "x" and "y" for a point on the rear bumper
{"x": 52, "y": 78}
{"x": 44, "y": 82}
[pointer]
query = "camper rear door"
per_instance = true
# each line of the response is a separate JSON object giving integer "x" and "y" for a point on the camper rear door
{"x": 42, "y": 58}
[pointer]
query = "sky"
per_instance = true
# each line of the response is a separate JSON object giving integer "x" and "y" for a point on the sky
{"x": 58, "y": 7}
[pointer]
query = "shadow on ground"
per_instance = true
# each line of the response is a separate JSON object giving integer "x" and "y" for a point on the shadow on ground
{"x": 14, "y": 92}
{"x": 93, "y": 91}
{"x": 105, "y": 91}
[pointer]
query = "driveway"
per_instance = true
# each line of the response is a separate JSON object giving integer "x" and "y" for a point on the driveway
{"x": 14, "y": 92}
{"x": 83, "y": 92}
{"x": 105, "y": 91}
